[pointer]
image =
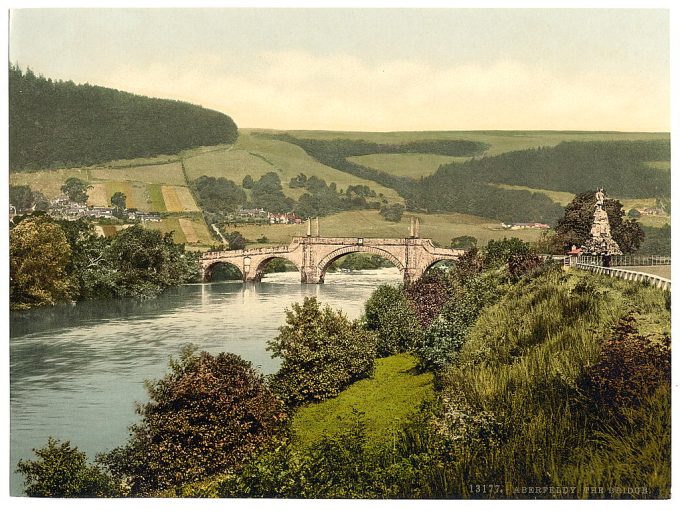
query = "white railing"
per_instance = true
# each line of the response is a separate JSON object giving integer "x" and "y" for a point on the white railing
{"x": 627, "y": 260}
{"x": 634, "y": 276}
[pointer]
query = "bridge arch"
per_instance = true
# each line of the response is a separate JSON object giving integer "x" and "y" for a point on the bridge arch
{"x": 336, "y": 254}
{"x": 209, "y": 270}
{"x": 260, "y": 268}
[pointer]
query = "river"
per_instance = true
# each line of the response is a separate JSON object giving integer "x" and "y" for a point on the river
{"x": 77, "y": 370}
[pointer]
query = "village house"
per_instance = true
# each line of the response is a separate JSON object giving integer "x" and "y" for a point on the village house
{"x": 530, "y": 225}
{"x": 284, "y": 218}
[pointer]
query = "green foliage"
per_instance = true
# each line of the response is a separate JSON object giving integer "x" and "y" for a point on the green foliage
{"x": 118, "y": 200}
{"x": 657, "y": 241}
{"x": 392, "y": 212}
{"x": 392, "y": 317}
{"x": 146, "y": 262}
{"x": 63, "y": 471}
{"x": 218, "y": 195}
{"x": 322, "y": 353}
{"x": 298, "y": 181}
{"x": 520, "y": 265}
{"x": 386, "y": 400}
{"x": 55, "y": 123}
{"x": 21, "y": 197}
{"x": 322, "y": 199}
{"x": 448, "y": 331}
{"x": 499, "y": 252}
{"x": 618, "y": 166}
{"x": 76, "y": 189}
{"x": 247, "y": 182}
{"x": 39, "y": 255}
{"x": 634, "y": 213}
{"x": 208, "y": 415}
{"x": 463, "y": 242}
{"x": 574, "y": 227}
{"x": 236, "y": 240}
{"x": 267, "y": 193}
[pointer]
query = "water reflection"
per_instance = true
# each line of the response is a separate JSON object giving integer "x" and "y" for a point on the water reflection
{"x": 76, "y": 371}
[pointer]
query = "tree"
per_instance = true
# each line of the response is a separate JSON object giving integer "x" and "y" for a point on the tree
{"x": 118, "y": 200}
{"x": 393, "y": 318}
{"x": 38, "y": 258}
{"x": 574, "y": 227}
{"x": 499, "y": 252}
{"x": 147, "y": 262}
{"x": 247, "y": 182}
{"x": 392, "y": 212}
{"x": 322, "y": 353}
{"x": 208, "y": 415}
{"x": 21, "y": 197}
{"x": 634, "y": 213}
{"x": 463, "y": 242}
{"x": 236, "y": 241}
{"x": 63, "y": 471}
{"x": 76, "y": 189}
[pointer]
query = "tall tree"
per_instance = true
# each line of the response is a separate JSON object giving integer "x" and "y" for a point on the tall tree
{"x": 39, "y": 255}
{"x": 118, "y": 200}
{"x": 574, "y": 227}
{"x": 76, "y": 189}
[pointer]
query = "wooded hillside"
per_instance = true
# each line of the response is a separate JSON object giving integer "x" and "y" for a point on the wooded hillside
{"x": 57, "y": 124}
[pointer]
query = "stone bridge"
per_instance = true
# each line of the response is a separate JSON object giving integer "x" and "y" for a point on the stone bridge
{"x": 312, "y": 255}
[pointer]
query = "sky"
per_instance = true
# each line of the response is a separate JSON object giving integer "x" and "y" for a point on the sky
{"x": 370, "y": 69}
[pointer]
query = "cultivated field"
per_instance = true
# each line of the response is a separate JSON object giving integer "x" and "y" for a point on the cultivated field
{"x": 48, "y": 182}
{"x": 178, "y": 199}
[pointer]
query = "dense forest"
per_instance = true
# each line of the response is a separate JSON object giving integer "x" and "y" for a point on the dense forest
{"x": 56, "y": 124}
{"x": 470, "y": 187}
{"x": 618, "y": 166}
{"x": 469, "y": 197}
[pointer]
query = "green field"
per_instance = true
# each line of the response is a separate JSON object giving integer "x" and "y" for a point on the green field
{"x": 408, "y": 165}
{"x": 395, "y": 391}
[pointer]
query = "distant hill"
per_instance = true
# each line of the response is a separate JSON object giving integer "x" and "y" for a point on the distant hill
{"x": 57, "y": 124}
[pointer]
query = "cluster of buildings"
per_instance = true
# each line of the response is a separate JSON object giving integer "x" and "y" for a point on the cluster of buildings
{"x": 530, "y": 225}
{"x": 260, "y": 216}
{"x": 63, "y": 207}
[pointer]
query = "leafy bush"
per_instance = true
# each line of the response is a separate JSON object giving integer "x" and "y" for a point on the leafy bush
{"x": 392, "y": 317}
{"x": 208, "y": 415}
{"x": 520, "y": 265}
{"x": 392, "y": 212}
{"x": 322, "y": 353}
{"x": 63, "y": 471}
{"x": 499, "y": 252}
{"x": 428, "y": 295}
{"x": 630, "y": 368}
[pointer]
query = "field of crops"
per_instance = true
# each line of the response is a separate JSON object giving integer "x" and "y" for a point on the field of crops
{"x": 48, "y": 182}
{"x": 167, "y": 174}
{"x": 178, "y": 199}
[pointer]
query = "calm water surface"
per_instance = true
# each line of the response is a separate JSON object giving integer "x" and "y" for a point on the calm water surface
{"x": 76, "y": 371}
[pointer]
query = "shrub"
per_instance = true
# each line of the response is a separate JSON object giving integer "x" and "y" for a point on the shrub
{"x": 428, "y": 295}
{"x": 63, "y": 471}
{"x": 322, "y": 353}
{"x": 468, "y": 265}
{"x": 498, "y": 252}
{"x": 392, "y": 317}
{"x": 208, "y": 415}
{"x": 629, "y": 369}
{"x": 520, "y": 265}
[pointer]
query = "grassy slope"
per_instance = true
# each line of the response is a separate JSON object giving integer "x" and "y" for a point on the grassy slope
{"x": 394, "y": 392}
{"x": 256, "y": 156}
{"x": 519, "y": 369}
{"x": 407, "y": 165}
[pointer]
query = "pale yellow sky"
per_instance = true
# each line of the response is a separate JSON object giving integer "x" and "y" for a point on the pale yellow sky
{"x": 371, "y": 70}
